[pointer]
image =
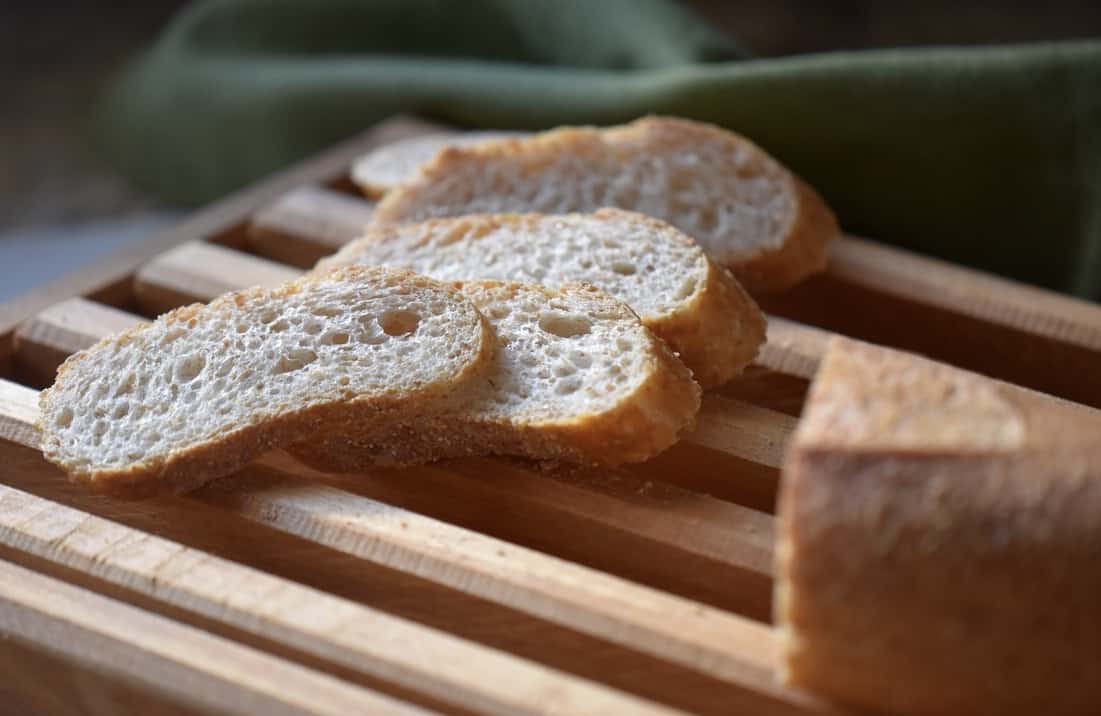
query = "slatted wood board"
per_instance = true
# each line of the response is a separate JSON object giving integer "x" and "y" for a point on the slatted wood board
{"x": 475, "y": 586}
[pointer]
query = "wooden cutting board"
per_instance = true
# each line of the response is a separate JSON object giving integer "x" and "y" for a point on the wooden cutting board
{"x": 475, "y": 586}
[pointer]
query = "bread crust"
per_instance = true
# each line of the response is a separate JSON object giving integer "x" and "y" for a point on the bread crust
{"x": 644, "y": 423}
{"x": 716, "y": 330}
{"x": 183, "y": 469}
{"x": 940, "y": 566}
{"x": 774, "y": 264}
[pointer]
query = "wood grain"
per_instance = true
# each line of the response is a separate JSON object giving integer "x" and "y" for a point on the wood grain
{"x": 654, "y": 644}
{"x": 1003, "y": 329}
{"x": 201, "y": 271}
{"x": 242, "y": 601}
{"x": 170, "y": 662}
{"x": 308, "y": 223}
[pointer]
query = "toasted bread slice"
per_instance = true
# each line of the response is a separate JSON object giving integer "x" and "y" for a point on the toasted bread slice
{"x": 576, "y": 378}
{"x": 382, "y": 169}
{"x": 204, "y": 389}
{"x": 746, "y": 210}
{"x": 937, "y": 543}
{"x": 697, "y": 307}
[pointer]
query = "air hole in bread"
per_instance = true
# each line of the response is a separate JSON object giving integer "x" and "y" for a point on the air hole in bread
{"x": 687, "y": 288}
{"x": 64, "y": 418}
{"x": 188, "y": 367}
{"x": 126, "y": 385}
{"x": 334, "y": 338}
{"x": 568, "y": 386}
{"x": 624, "y": 269}
{"x": 400, "y": 322}
{"x": 327, "y": 311}
{"x": 565, "y": 325}
{"x": 268, "y": 316}
{"x": 294, "y": 359}
{"x": 280, "y": 326}
{"x": 313, "y": 327}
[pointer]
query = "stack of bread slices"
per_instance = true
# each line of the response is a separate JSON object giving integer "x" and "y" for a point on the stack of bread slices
{"x": 562, "y": 296}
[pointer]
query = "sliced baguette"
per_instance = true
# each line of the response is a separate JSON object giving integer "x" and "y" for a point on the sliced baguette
{"x": 745, "y": 209}
{"x": 382, "y": 169}
{"x": 204, "y": 389}
{"x": 576, "y": 378}
{"x": 698, "y": 308}
{"x": 938, "y": 539}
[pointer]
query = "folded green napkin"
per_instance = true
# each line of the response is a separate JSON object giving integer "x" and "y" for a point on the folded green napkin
{"x": 989, "y": 157}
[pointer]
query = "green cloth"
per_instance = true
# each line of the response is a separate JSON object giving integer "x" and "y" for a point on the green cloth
{"x": 985, "y": 156}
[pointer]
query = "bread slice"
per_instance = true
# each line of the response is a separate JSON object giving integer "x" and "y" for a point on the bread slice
{"x": 697, "y": 307}
{"x": 576, "y": 378}
{"x": 745, "y": 209}
{"x": 196, "y": 394}
{"x": 382, "y": 169}
{"x": 938, "y": 539}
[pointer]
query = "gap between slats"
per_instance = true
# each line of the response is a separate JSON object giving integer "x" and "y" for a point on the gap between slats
{"x": 564, "y": 615}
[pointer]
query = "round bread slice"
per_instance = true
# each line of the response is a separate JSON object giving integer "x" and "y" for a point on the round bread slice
{"x": 746, "y": 210}
{"x": 382, "y": 169}
{"x": 697, "y": 307}
{"x": 202, "y": 390}
{"x": 575, "y": 378}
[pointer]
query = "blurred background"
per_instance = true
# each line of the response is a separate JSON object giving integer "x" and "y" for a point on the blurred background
{"x": 60, "y": 206}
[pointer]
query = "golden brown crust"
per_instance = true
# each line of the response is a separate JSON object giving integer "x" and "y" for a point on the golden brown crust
{"x": 805, "y": 250}
{"x": 183, "y": 469}
{"x": 800, "y": 251}
{"x": 946, "y": 575}
{"x": 700, "y": 331}
{"x": 643, "y": 424}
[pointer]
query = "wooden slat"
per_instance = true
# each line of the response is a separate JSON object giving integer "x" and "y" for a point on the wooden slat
{"x": 109, "y": 280}
{"x": 998, "y": 327}
{"x": 169, "y": 662}
{"x": 201, "y": 271}
{"x": 642, "y": 529}
{"x": 652, "y": 643}
{"x": 442, "y": 669}
{"x": 1004, "y": 329}
{"x": 611, "y": 516}
{"x": 56, "y": 333}
{"x": 306, "y": 224}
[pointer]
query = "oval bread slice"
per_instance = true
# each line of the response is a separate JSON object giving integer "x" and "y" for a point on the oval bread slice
{"x": 382, "y": 169}
{"x": 745, "y": 209}
{"x": 575, "y": 378}
{"x": 196, "y": 394}
{"x": 697, "y": 307}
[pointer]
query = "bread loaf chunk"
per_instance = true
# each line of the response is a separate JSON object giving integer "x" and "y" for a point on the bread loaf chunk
{"x": 204, "y": 389}
{"x": 575, "y": 378}
{"x": 746, "y": 210}
{"x": 382, "y": 169}
{"x": 938, "y": 542}
{"x": 697, "y": 307}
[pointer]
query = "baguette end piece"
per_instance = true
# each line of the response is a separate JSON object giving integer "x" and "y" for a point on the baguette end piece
{"x": 937, "y": 541}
